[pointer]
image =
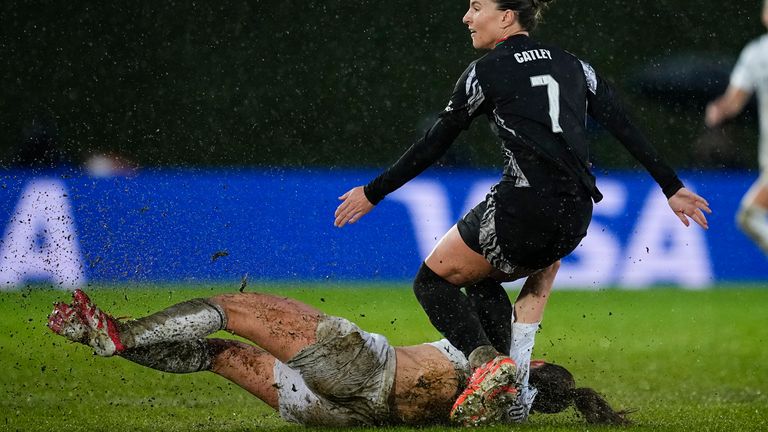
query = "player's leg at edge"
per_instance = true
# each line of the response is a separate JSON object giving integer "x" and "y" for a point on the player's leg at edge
{"x": 752, "y": 216}
{"x": 451, "y": 264}
{"x": 529, "y": 312}
{"x": 280, "y": 325}
{"x": 172, "y": 340}
{"x": 490, "y": 300}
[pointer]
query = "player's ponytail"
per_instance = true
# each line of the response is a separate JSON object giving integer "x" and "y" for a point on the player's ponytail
{"x": 529, "y": 12}
{"x": 557, "y": 391}
{"x": 595, "y": 409}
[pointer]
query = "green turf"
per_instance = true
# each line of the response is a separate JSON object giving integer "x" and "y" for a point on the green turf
{"x": 686, "y": 361}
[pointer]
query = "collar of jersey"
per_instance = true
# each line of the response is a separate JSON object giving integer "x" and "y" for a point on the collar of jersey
{"x": 502, "y": 40}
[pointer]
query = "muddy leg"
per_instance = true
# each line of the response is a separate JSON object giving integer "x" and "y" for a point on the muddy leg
{"x": 280, "y": 325}
{"x": 248, "y": 366}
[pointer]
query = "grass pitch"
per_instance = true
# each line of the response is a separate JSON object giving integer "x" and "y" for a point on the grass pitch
{"x": 685, "y": 361}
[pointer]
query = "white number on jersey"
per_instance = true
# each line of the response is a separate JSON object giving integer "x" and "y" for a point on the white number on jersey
{"x": 553, "y": 93}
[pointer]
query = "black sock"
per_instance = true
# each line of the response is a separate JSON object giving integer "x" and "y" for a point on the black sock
{"x": 449, "y": 310}
{"x": 175, "y": 357}
{"x": 494, "y": 308}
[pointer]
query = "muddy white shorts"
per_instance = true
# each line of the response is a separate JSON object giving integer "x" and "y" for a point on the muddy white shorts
{"x": 344, "y": 379}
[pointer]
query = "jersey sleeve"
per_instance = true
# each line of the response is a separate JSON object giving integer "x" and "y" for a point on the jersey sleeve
{"x": 467, "y": 98}
{"x": 744, "y": 74}
{"x": 465, "y": 104}
{"x": 604, "y": 106}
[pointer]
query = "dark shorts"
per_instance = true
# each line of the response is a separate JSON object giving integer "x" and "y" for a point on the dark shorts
{"x": 522, "y": 228}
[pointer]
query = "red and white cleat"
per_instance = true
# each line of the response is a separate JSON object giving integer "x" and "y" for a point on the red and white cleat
{"x": 101, "y": 328}
{"x": 490, "y": 397}
{"x": 64, "y": 322}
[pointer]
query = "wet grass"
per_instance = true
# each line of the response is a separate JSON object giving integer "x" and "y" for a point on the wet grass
{"x": 685, "y": 361}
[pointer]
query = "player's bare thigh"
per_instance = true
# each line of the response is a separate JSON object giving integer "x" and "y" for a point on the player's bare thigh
{"x": 457, "y": 263}
{"x": 248, "y": 366}
{"x": 281, "y": 325}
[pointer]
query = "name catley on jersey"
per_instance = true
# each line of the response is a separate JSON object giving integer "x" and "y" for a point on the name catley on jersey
{"x": 537, "y": 99}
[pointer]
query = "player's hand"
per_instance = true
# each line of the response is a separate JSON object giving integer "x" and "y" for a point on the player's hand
{"x": 713, "y": 115}
{"x": 687, "y": 204}
{"x": 354, "y": 206}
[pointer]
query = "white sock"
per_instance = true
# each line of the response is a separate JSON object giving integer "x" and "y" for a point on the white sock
{"x": 523, "y": 336}
{"x": 189, "y": 320}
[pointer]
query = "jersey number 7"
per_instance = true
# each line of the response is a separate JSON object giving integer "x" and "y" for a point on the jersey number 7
{"x": 553, "y": 93}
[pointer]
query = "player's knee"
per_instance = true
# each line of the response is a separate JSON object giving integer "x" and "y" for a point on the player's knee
{"x": 427, "y": 281}
{"x": 423, "y": 278}
{"x": 549, "y": 272}
{"x": 222, "y": 300}
{"x": 225, "y": 353}
{"x": 743, "y": 217}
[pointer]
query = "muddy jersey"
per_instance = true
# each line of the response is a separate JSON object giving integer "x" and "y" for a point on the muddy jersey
{"x": 751, "y": 75}
{"x": 537, "y": 99}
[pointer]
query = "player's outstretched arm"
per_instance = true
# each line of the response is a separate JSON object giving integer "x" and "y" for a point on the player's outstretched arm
{"x": 726, "y": 106}
{"x": 687, "y": 204}
{"x": 354, "y": 205}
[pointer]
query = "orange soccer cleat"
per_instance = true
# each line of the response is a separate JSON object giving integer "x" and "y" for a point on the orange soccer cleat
{"x": 490, "y": 397}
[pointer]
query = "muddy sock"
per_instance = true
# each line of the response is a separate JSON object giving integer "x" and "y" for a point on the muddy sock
{"x": 174, "y": 357}
{"x": 449, "y": 310}
{"x": 494, "y": 308}
{"x": 482, "y": 355}
{"x": 192, "y": 319}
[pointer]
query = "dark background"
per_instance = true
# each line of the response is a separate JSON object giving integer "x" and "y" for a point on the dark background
{"x": 335, "y": 83}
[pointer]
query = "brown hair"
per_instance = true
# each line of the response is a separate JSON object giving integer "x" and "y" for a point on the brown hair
{"x": 529, "y": 12}
{"x": 557, "y": 391}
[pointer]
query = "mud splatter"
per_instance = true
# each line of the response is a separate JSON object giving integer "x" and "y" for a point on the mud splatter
{"x": 243, "y": 282}
{"x": 219, "y": 254}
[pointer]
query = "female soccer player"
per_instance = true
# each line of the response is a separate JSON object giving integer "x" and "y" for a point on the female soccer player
{"x": 536, "y": 98}
{"x": 312, "y": 368}
{"x": 750, "y": 76}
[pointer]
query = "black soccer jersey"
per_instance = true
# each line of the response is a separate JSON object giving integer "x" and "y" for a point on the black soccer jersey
{"x": 536, "y": 98}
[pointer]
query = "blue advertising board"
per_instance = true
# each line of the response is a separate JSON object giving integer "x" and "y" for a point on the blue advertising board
{"x": 219, "y": 225}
